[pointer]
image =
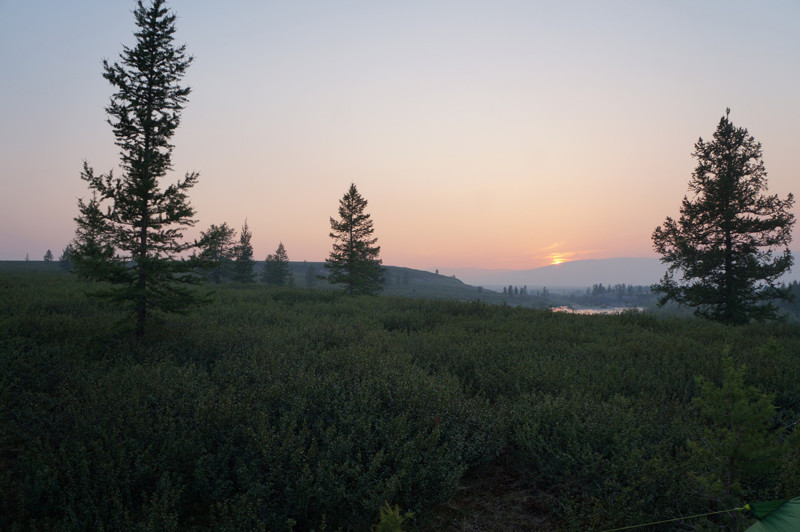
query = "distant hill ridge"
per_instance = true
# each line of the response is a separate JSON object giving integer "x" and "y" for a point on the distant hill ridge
{"x": 573, "y": 274}
{"x": 578, "y": 274}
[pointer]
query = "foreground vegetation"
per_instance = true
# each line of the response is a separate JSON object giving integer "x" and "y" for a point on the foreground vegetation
{"x": 281, "y": 408}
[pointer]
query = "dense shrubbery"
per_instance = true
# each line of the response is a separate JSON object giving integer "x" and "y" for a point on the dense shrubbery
{"x": 276, "y": 408}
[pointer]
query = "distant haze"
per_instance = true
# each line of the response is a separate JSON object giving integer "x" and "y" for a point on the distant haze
{"x": 577, "y": 274}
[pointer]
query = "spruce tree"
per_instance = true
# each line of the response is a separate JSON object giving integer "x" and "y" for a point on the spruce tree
{"x": 217, "y": 250}
{"x": 354, "y": 261}
{"x": 130, "y": 231}
{"x": 276, "y": 268}
{"x": 243, "y": 263}
{"x": 722, "y": 244}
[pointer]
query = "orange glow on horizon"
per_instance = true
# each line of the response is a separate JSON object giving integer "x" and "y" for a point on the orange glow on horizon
{"x": 558, "y": 258}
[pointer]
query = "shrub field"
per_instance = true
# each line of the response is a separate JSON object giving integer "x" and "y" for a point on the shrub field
{"x": 280, "y": 409}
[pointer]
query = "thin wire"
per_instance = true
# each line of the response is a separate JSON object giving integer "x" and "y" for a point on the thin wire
{"x": 745, "y": 507}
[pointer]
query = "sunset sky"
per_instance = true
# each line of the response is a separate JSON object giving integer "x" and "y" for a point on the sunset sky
{"x": 493, "y": 134}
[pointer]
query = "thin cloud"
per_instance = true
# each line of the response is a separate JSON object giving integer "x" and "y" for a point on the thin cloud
{"x": 559, "y": 257}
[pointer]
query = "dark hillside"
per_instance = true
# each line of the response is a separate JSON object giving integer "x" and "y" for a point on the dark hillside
{"x": 399, "y": 281}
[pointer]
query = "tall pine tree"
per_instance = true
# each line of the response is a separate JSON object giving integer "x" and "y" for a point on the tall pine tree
{"x": 243, "y": 262}
{"x": 276, "y": 268}
{"x": 722, "y": 244}
{"x": 354, "y": 261}
{"x": 130, "y": 231}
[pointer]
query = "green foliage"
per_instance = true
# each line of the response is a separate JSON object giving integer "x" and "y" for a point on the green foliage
{"x": 129, "y": 232}
{"x": 243, "y": 262}
{"x": 354, "y": 261}
{"x": 285, "y": 408}
{"x": 790, "y": 472}
{"x": 273, "y": 409}
{"x": 390, "y": 519}
{"x": 723, "y": 242}
{"x": 601, "y": 462}
{"x": 740, "y": 448}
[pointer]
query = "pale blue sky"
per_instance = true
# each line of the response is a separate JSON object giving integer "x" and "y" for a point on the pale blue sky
{"x": 483, "y": 134}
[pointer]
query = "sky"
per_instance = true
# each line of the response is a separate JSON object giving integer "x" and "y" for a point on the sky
{"x": 484, "y": 134}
